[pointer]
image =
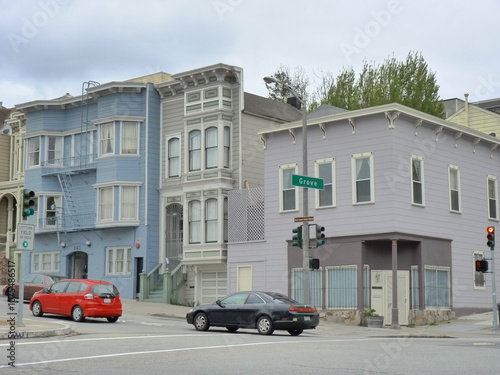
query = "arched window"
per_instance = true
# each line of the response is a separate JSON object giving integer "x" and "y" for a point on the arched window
{"x": 211, "y": 148}
{"x": 211, "y": 215}
{"x": 195, "y": 150}
{"x": 194, "y": 217}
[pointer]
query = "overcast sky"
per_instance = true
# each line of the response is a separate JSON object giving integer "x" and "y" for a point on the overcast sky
{"x": 50, "y": 47}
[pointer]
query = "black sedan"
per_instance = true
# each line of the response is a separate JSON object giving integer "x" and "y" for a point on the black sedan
{"x": 265, "y": 311}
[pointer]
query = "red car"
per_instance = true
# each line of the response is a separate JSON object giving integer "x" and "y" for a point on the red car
{"x": 80, "y": 299}
{"x": 32, "y": 283}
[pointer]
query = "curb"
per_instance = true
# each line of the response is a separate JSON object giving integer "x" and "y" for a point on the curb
{"x": 26, "y": 333}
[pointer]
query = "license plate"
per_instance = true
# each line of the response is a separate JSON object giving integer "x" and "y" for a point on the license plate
{"x": 107, "y": 300}
{"x": 307, "y": 318}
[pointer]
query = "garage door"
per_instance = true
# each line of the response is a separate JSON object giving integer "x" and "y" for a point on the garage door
{"x": 213, "y": 286}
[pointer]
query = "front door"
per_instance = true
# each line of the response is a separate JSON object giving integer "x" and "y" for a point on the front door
{"x": 381, "y": 295}
{"x": 78, "y": 265}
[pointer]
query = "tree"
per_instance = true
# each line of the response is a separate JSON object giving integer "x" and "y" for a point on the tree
{"x": 408, "y": 82}
{"x": 297, "y": 80}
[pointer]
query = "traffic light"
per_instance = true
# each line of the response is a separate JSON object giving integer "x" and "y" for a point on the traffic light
{"x": 491, "y": 237}
{"x": 320, "y": 235}
{"x": 297, "y": 237}
{"x": 481, "y": 265}
{"x": 314, "y": 263}
{"x": 28, "y": 203}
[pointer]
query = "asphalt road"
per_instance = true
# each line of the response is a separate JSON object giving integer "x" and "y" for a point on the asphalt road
{"x": 142, "y": 344}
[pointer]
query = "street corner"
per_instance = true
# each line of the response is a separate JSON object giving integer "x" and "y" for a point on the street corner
{"x": 11, "y": 329}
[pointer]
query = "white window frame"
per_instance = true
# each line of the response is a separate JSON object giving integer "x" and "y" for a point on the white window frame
{"x": 222, "y": 149}
{"x": 102, "y": 206}
{"x": 354, "y": 159}
{"x": 134, "y": 140}
{"x": 478, "y": 278}
{"x": 119, "y": 260}
{"x": 57, "y": 151}
{"x": 32, "y": 152}
{"x": 211, "y": 149}
{"x": 492, "y": 196}
{"x": 194, "y": 222}
{"x": 173, "y": 155}
{"x": 105, "y": 138}
{"x": 127, "y": 207}
{"x": 332, "y": 183}
{"x": 454, "y": 170}
{"x": 54, "y": 211}
{"x": 288, "y": 186}
{"x": 211, "y": 220}
{"x": 437, "y": 269}
{"x": 45, "y": 262}
{"x": 413, "y": 181}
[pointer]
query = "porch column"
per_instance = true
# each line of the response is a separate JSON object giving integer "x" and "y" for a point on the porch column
{"x": 395, "y": 310}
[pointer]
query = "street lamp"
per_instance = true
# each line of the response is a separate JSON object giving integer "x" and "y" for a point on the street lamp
{"x": 305, "y": 204}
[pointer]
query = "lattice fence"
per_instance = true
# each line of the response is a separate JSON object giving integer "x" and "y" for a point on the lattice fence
{"x": 246, "y": 215}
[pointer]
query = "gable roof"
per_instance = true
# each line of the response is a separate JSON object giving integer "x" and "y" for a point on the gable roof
{"x": 265, "y": 107}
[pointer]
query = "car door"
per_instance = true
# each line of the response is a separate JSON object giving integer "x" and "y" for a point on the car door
{"x": 228, "y": 311}
{"x": 50, "y": 300}
{"x": 32, "y": 286}
{"x": 70, "y": 296}
{"x": 252, "y": 308}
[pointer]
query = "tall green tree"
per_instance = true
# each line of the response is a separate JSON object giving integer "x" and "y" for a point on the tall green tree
{"x": 409, "y": 82}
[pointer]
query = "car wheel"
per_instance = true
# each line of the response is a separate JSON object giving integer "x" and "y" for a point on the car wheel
{"x": 295, "y": 331}
{"x": 265, "y": 325}
{"x": 112, "y": 319}
{"x": 36, "y": 308}
{"x": 232, "y": 329}
{"x": 77, "y": 314}
{"x": 201, "y": 322}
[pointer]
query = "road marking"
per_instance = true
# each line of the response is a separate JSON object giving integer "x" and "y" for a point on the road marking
{"x": 183, "y": 349}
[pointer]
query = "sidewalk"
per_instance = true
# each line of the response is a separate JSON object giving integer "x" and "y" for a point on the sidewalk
{"x": 479, "y": 326}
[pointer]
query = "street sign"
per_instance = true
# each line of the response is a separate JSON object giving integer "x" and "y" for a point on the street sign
{"x": 25, "y": 236}
{"x": 303, "y": 218}
{"x": 308, "y": 182}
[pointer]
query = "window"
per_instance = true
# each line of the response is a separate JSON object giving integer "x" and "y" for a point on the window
{"x": 227, "y": 146}
{"x": 211, "y": 220}
{"x": 417, "y": 180}
{"x": 173, "y": 163}
{"x": 288, "y": 192}
{"x": 54, "y": 150}
{"x": 342, "y": 287}
{"x": 492, "y": 198}
{"x": 362, "y": 178}
{"x": 437, "y": 287}
{"x": 129, "y": 203}
{"x": 118, "y": 260}
{"x": 194, "y": 218}
{"x": 33, "y": 150}
{"x": 52, "y": 205}
{"x": 130, "y": 137}
{"x": 106, "y": 203}
{"x": 107, "y": 138}
{"x": 325, "y": 169}
{"x": 478, "y": 277}
{"x": 226, "y": 219}
{"x": 454, "y": 181}
{"x": 211, "y": 149}
{"x": 45, "y": 262}
{"x": 195, "y": 150}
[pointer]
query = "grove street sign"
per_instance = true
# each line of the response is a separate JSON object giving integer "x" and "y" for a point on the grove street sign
{"x": 308, "y": 182}
{"x": 25, "y": 236}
